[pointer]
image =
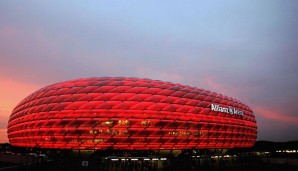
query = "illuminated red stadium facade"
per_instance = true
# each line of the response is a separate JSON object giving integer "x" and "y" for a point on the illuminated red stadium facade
{"x": 130, "y": 114}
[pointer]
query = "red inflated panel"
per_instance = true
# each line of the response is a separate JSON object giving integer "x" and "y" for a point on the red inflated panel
{"x": 129, "y": 114}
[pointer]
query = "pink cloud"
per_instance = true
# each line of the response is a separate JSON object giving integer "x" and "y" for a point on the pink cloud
{"x": 13, "y": 92}
{"x": 275, "y": 115}
{"x": 3, "y": 136}
{"x": 211, "y": 83}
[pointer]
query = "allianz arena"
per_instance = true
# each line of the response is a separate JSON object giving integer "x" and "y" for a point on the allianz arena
{"x": 122, "y": 113}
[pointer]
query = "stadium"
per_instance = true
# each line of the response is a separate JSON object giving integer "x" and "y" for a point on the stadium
{"x": 119, "y": 113}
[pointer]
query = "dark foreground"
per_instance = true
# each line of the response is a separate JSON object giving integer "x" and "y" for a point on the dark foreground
{"x": 172, "y": 165}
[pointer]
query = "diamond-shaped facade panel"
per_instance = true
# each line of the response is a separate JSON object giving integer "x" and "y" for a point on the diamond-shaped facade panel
{"x": 130, "y": 114}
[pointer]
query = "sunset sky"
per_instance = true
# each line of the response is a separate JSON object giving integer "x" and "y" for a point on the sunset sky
{"x": 246, "y": 49}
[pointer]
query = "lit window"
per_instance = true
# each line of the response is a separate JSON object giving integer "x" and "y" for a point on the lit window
{"x": 145, "y": 123}
{"x": 174, "y": 133}
{"x": 107, "y": 123}
{"x": 123, "y": 122}
{"x": 97, "y": 140}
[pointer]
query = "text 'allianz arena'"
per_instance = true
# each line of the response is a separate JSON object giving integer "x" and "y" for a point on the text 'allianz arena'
{"x": 130, "y": 114}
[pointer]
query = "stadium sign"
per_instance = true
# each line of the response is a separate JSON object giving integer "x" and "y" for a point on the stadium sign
{"x": 230, "y": 110}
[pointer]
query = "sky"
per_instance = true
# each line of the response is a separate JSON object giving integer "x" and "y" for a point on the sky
{"x": 246, "y": 49}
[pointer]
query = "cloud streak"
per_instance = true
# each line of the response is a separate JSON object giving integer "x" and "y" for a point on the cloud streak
{"x": 269, "y": 114}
